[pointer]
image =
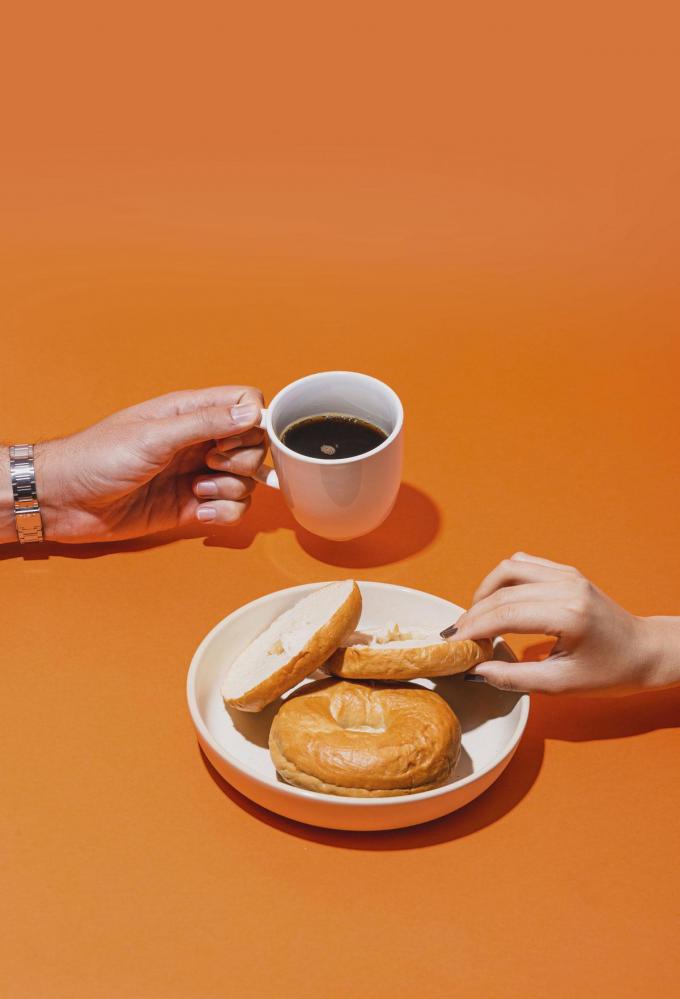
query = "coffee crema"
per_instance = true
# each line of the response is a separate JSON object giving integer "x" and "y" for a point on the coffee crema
{"x": 332, "y": 436}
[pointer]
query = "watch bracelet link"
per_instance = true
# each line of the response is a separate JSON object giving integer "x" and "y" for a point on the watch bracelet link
{"x": 26, "y": 506}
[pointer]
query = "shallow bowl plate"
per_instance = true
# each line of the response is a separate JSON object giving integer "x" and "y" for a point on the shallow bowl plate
{"x": 236, "y": 742}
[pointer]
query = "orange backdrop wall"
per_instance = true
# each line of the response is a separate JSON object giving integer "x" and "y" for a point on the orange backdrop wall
{"x": 479, "y": 206}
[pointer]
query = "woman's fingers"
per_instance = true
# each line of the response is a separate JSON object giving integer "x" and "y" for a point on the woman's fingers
{"x": 521, "y": 568}
{"x": 222, "y": 512}
{"x": 537, "y": 560}
{"x": 519, "y": 593}
{"x": 228, "y": 487}
{"x": 549, "y": 677}
{"x": 244, "y": 461}
{"x": 541, "y": 617}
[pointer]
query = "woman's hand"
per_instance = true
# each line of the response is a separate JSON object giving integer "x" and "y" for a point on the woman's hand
{"x": 148, "y": 468}
{"x": 600, "y": 647}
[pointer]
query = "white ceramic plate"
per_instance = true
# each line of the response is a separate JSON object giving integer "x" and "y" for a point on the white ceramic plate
{"x": 236, "y": 742}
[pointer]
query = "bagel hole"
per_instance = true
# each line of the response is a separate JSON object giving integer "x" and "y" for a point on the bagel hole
{"x": 363, "y": 728}
{"x": 358, "y": 716}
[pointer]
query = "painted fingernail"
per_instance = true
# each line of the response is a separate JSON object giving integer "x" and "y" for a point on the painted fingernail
{"x": 245, "y": 413}
{"x": 450, "y": 631}
{"x": 206, "y": 488}
{"x": 474, "y": 678}
{"x": 206, "y": 513}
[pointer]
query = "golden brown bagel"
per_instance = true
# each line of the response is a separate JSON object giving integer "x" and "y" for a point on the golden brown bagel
{"x": 359, "y": 740}
{"x": 293, "y": 646}
{"x": 394, "y": 654}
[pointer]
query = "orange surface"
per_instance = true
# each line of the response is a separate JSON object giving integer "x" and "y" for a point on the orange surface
{"x": 480, "y": 207}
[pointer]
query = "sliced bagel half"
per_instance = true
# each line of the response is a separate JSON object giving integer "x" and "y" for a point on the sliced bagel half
{"x": 293, "y": 646}
{"x": 393, "y": 652}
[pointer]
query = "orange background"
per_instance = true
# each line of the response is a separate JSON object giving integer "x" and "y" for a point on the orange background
{"x": 479, "y": 207}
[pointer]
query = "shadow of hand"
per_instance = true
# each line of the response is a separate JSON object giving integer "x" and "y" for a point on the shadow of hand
{"x": 411, "y": 527}
{"x": 582, "y": 719}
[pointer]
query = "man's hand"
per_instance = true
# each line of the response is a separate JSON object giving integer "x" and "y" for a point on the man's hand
{"x": 153, "y": 467}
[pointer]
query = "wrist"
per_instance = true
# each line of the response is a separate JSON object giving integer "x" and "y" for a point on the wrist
{"x": 661, "y": 651}
{"x": 49, "y": 480}
{"x": 48, "y": 489}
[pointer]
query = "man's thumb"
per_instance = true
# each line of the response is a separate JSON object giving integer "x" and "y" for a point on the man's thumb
{"x": 205, "y": 424}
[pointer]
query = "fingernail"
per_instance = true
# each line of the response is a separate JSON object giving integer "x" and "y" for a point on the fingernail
{"x": 474, "y": 678}
{"x": 206, "y": 513}
{"x": 450, "y": 631}
{"x": 245, "y": 413}
{"x": 206, "y": 488}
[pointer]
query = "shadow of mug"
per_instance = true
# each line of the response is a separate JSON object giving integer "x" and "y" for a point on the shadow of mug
{"x": 409, "y": 529}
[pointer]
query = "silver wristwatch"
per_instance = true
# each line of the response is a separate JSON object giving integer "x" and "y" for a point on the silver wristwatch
{"x": 26, "y": 506}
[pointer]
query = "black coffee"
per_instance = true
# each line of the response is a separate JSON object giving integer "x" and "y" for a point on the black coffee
{"x": 332, "y": 436}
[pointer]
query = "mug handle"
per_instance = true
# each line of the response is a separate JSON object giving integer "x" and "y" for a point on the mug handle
{"x": 267, "y": 476}
{"x": 265, "y": 473}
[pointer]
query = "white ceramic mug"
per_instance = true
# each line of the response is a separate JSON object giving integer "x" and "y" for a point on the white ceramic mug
{"x": 344, "y": 498}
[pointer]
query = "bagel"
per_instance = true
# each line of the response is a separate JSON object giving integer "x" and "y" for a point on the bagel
{"x": 362, "y": 740}
{"x": 395, "y": 653}
{"x": 293, "y": 646}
